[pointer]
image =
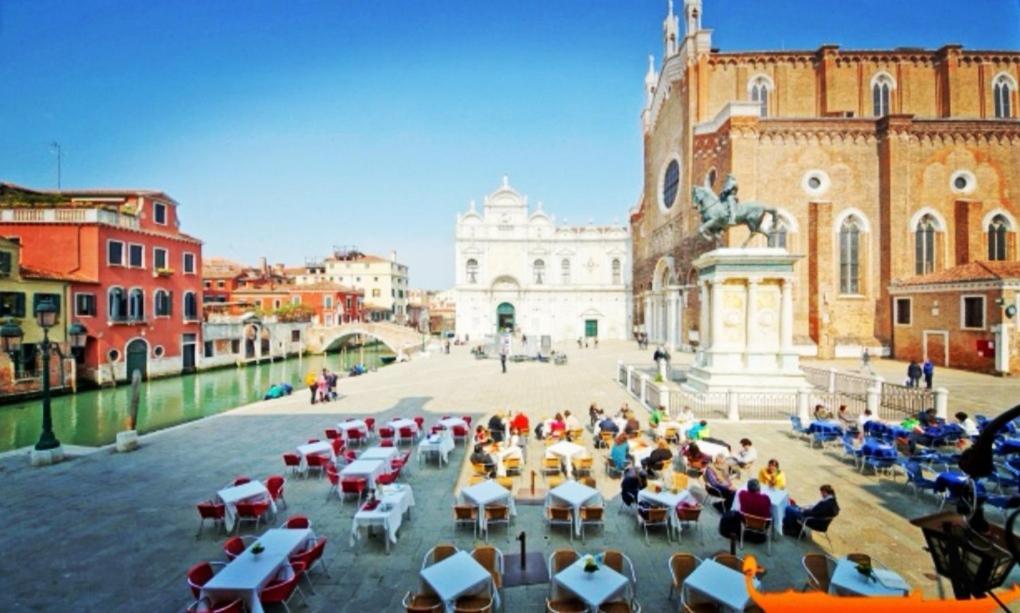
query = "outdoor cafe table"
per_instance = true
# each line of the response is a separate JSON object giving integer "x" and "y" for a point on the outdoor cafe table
{"x": 378, "y": 453}
{"x": 720, "y": 583}
{"x": 666, "y": 425}
{"x": 352, "y": 424}
{"x": 779, "y": 500}
{"x": 640, "y": 454}
{"x": 847, "y": 581}
{"x": 394, "y": 503}
{"x": 367, "y": 469}
{"x": 501, "y": 454}
{"x": 248, "y": 573}
{"x": 450, "y": 422}
{"x": 232, "y": 495}
{"x": 566, "y": 451}
{"x": 457, "y": 575}
{"x": 314, "y": 448}
{"x": 593, "y": 588}
{"x": 576, "y": 495}
{"x": 441, "y": 443}
{"x": 485, "y": 493}
{"x": 667, "y": 499}
{"x": 403, "y": 422}
{"x": 712, "y": 449}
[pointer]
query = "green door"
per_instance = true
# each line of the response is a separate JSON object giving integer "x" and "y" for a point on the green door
{"x": 591, "y": 328}
{"x": 137, "y": 357}
{"x": 504, "y": 317}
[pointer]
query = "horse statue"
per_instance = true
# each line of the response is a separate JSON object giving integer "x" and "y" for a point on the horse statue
{"x": 716, "y": 213}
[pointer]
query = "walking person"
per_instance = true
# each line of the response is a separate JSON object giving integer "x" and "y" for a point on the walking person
{"x": 914, "y": 373}
{"x": 866, "y": 362}
{"x": 928, "y": 369}
{"x": 312, "y": 384}
{"x": 504, "y": 350}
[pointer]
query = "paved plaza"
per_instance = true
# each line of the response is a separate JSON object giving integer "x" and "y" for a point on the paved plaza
{"x": 117, "y": 532}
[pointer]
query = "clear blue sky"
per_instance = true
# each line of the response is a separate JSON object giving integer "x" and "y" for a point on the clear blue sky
{"x": 286, "y": 127}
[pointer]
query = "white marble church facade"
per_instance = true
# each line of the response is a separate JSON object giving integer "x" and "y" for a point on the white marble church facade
{"x": 516, "y": 268}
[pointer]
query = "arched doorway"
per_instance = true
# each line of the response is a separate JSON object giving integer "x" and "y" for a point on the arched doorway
{"x": 504, "y": 317}
{"x": 137, "y": 357}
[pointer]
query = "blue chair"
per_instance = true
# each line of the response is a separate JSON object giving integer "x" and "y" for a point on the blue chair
{"x": 798, "y": 426}
{"x": 821, "y": 437}
{"x": 1003, "y": 503}
{"x": 916, "y": 479}
{"x": 850, "y": 452}
{"x": 882, "y": 461}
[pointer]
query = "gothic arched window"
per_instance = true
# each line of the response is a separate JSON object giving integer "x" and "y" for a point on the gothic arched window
{"x": 116, "y": 304}
{"x": 617, "y": 272}
{"x": 998, "y": 231}
{"x": 759, "y": 90}
{"x": 538, "y": 268}
{"x": 565, "y": 271}
{"x": 1002, "y": 93}
{"x": 136, "y": 305}
{"x": 472, "y": 270}
{"x": 849, "y": 256}
{"x": 924, "y": 245}
{"x": 777, "y": 236}
{"x": 881, "y": 95}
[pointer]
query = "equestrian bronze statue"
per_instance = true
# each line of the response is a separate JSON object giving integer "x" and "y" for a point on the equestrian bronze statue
{"x": 722, "y": 211}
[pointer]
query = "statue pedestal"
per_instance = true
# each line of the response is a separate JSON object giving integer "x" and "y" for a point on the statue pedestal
{"x": 746, "y": 322}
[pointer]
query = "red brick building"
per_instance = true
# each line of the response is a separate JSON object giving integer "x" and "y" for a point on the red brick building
{"x": 960, "y": 317}
{"x": 329, "y": 303}
{"x": 141, "y": 297}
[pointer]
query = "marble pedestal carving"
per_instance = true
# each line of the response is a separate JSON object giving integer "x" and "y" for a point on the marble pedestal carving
{"x": 746, "y": 322}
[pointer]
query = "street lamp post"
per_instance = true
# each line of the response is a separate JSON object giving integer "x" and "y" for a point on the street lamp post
{"x": 46, "y": 317}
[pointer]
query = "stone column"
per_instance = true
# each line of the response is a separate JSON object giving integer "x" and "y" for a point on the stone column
{"x": 716, "y": 320}
{"x": 671, "y": 326}
{"x": 703, "y": 311}
{"x": 751, "y": 341}
{"x": 941, "y": 403}
{"x": 786, "y": 315}
{"x": 648, "y": 316}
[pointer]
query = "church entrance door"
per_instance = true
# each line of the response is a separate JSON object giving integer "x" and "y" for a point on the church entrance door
{"x": 504, "y": 317}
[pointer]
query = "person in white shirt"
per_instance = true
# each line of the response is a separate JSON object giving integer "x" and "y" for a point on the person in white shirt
{"x": 686, "y": 416}
{"x": 968, "y": 424}
{"x": 745, "y": 456}
{"x": 864, "y": 418}
{"x": 571, "y": 421}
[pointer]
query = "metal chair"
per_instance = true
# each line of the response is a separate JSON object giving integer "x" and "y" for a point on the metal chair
{"x": 560, "y": 516}
{"x": 656, "y": 517}
{"x": 680, "y": 566}
{"x": 438, "y": 553}
{"x": 592, "y": 516}
{"x": 817, "y": 566}
{"x": 761, "y": 525}
{"x": 496, "y": 514}
{"x": 466, "y": 514}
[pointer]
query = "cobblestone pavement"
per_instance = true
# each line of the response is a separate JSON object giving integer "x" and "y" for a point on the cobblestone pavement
{"x": 117, "y": 532}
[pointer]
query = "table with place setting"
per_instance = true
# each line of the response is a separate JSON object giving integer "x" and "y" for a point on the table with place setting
{"x": 403, "y": 422}
{"x": 230, "y": 496}
{"x": 365, "y": 469}
{"x": 566, "y": 452}
{"x": 394, "y": 502}
{"x": 666, "y": 498}
{"x": 378, "y": 453}
{"x": 346, "y": 426}
{"x": 321, "y": 447}
{"x": 594, "y": 588}
{"x": 576, "y": 495}
{"x": 486, "y": 493}
{"x": 440, "y": 444}
{"x": 503, "y": 452}
{"x": 720, "y": 583}
{"x": 246, "y": 575}
{"x": 450, "y": 422}
{"x": 456, "y": 576}
{"x": 779, "y": 499}
{"x": 847, "y": 580}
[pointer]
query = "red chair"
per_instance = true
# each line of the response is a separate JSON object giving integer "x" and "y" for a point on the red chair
{"x": 332, "y": 434}
{"x": 352, "y": 486}
{"x": 386, "y": 442}
{"x": 460, "y": 433}
{"x": 406, "y": 434}
{"x": 387, "y": 478}
{"x": 312, "y": 556}
{"x": 350, "y": 455}
{"x": 370, "y": 423}
{"x": 296, "y": 522}
{"x": 313, "y": 440}
{"x": 236, "y": 545}
{"x": 275, "y": 483}
{"x": 205, "y": 605}
{"x": 200, "y": 574}
{"x": 334, "y": 482}
{"x": 386, "y": 432}
{"x": 437, "y": 429}
{"x": 467, "y": 419}
{"x": 210, "y": 509}
{"x": 316, "y": 462}
{"x": 252, "y": 511}
{"x": 420, "y": 421}
{"x": 338, "y": 446}
{"x": 241, "y": 480}
{"x": 355, "y": 436}
{"x": 280, "y": 591}
{"x": 292, "y": 461}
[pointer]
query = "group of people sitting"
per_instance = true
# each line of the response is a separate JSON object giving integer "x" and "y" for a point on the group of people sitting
{"x": 924, "y": 429}
{"x": 559, "y": 426}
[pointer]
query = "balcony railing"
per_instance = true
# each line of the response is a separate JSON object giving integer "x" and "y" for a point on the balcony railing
{"x": 49, "y": 215}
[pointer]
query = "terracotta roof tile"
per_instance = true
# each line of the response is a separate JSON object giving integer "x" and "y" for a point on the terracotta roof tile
{"x": 31, "y": 272}
{"x": 972, "y": 271}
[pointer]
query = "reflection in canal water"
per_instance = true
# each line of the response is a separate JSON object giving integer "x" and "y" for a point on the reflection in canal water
{"x": 94, "y": 417}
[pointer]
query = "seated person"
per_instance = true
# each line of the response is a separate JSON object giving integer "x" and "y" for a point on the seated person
{"x": 846, "y": 419}
{"x": 753, "y": 502}
{"x": 630, "y": 485}
{"x": 821, "y": 413}
{"x": 658, "y": 458}
{"x": 864, "y": 418}
{"x": 695, "y": 457}
{"x": 557, "y": 427}
{"x": 633, "y": 425}
{"x": 698, "y": 431}
{"x": 927, "y": 418}
{"x": 717, "y": 475}
{"x": 822, "y": 512}
{"x": 608, "y": 425}
{"x": 480, "y": 457}
{"x": 968, "y": 424}
{"x": 497, "y": 429}
{"x": 619, "y": 453}
{"x": 686, "y": 416}
{"x": 772, "y": 476}
{"x": 520, "y": 423}
{"x": 745, "y": 456}
{"x": 570, "y": 421}
{"x": 515, "y": 438}
{"x": 595, "y": 414}
{"x": 482, "y": 435}
{"x": 658, "y": 414}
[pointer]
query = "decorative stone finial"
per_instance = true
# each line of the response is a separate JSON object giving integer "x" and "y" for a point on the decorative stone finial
{"x": 506, "y": 181}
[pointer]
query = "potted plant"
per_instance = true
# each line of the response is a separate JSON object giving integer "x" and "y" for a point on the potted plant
{"x": 257, "y": 548}
{"x": 591, "y": 566}
{"x": 162, "y": 272}
{"x": 865, "y": 569}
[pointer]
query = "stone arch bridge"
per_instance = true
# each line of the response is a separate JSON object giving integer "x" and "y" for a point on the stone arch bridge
{"x": 399, "y": 339}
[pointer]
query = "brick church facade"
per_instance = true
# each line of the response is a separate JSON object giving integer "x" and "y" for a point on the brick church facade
{"x": 883, "y": 165}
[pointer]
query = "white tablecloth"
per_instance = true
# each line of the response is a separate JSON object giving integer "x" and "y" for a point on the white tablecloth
{"x": 641, "y": 454}
{"x": 248, "y": 573}
{"x": 399, "y": 498}
{"x": 450, "y": 422}
{"x": 314, "y": 448}
{"x": 397, "y": 424}
{"x": 501, "y": 454}
{"x": 440, "y": 443}
{"x": 378, "y": 453}
{"x": 712, "y": 449}
{"x": 593, "y": 588}
{"x": 667, "y": 499}
{"x": 485, "y": 493}
{"x": 457, "y": 575}
{"x": 566, "y": 451}
{"x": 779, "y": 499}
{"x": 720, "y": 583}
{"x": 369, "y": 469}
{"x": 576, "y": 495}
{"x": 665, "y": 425}
{"x": 355, "y": 424}
{"x": 232, "y": 495}
{"x": 847, "y": 581}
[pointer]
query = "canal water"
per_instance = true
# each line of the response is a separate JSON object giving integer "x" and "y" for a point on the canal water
{"x": 94, "y": 417}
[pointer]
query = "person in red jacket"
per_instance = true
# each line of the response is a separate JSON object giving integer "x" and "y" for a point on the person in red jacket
{"x": 753, "y": 502}
{"x": 520, "y": 423}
